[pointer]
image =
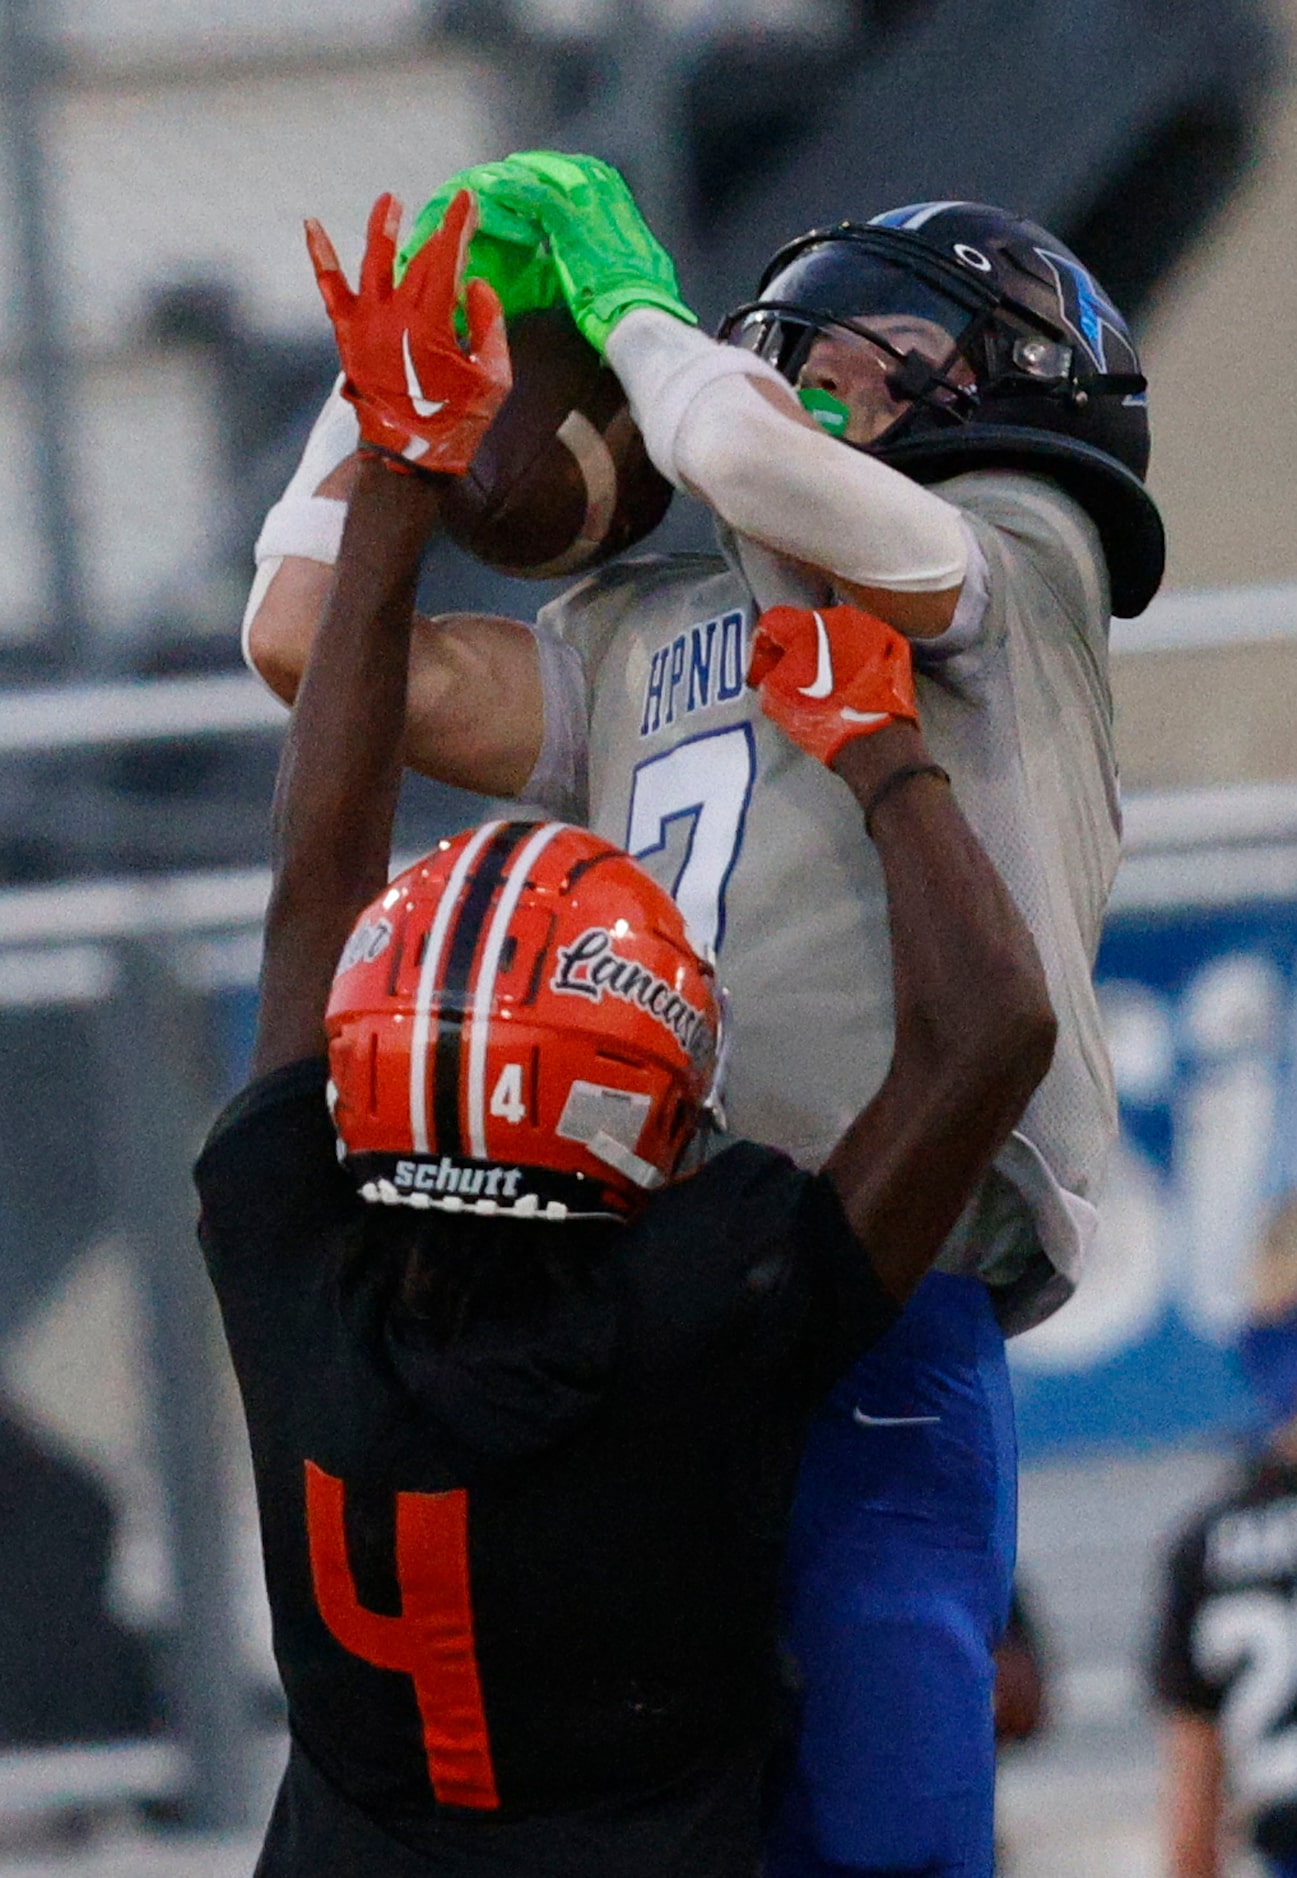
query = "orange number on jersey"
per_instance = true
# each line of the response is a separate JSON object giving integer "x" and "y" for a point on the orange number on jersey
{"x": 431, "y": 1641}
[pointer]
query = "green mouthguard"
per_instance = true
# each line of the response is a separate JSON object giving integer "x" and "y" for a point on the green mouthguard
{"x": 830, "y": 413}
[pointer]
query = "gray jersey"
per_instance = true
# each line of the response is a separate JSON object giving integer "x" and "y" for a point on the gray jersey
{"x": 764, "y": 850}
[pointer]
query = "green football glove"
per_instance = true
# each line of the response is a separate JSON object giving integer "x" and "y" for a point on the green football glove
{"x": 608, "y": 259}
{"x": 603, "y": 258}
{"x": 509, "y": 248}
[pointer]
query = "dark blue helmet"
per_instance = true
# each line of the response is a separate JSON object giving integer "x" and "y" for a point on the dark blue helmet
{"x": 1041, "y": 374}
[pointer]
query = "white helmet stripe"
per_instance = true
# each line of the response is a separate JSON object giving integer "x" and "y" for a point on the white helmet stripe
{"x": 484, "y": 990}
{"x": 428, "y": 975}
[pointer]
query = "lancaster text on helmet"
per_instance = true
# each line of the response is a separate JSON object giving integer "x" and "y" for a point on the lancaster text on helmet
{"x": 590, "y": 966}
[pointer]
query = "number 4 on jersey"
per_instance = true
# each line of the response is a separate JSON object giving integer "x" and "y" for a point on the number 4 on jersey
{"x": 431, "y": 1641}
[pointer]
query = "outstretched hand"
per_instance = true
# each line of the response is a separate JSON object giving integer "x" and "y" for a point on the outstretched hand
{"x": 420, "y": 395}
{"x": 828, "y": 675}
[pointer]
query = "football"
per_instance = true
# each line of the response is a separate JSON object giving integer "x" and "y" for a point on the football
{"x": 561, "y": 481}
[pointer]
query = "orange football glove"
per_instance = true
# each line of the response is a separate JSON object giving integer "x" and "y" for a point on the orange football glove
{"x": 828, "y": 676}
{"x": 419, "y": 394}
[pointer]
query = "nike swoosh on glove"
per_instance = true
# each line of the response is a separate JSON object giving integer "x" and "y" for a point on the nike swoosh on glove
{"x": 419, "y": 394}
{"x": 826, "y": 675}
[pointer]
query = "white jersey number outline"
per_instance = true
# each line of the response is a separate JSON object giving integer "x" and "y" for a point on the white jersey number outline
{"x": 1252, "y": 1636}
{"x": 709, "y": 778}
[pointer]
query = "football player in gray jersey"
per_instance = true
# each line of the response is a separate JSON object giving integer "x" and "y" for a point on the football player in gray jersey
{"x": 938, "y": 416}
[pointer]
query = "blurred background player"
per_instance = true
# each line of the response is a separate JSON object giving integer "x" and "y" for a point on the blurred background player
{"x": 946, "y": 344}
{"x": 1223, "y": 1667}
{"x": 522, "y": 1351}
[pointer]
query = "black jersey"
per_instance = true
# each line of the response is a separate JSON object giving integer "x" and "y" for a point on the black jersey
{"x": 1226, "y": 1644}
{"x": 532, "y": 1577}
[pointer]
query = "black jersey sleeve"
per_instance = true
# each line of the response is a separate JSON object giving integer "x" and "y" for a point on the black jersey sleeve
{"x": 268, "y": 1179}
{"x": 1174, "y": 1677}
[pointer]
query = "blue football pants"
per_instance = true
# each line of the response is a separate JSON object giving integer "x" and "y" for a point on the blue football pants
{"x": 900, "y": 1566}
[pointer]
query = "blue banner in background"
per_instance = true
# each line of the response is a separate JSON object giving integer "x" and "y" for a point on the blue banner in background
{"x": 1201, "y": 1012}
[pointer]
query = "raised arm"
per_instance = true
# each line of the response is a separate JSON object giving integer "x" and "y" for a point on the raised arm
{"x": 974, "y": 1027}
{"x": 336, "y": 792}
{"x": 335, "y": 798}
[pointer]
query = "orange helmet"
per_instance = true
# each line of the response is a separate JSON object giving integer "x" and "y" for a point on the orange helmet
{"x": 519, "y": 1025}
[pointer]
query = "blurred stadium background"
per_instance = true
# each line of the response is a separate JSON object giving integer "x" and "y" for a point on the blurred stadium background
{"x": 161, "y": 354}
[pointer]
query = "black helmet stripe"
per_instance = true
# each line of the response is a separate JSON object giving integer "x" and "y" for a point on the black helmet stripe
{"x": 431, "y": 952}
{"x": 456, "y": 976}
{"x": 491, "y": 962}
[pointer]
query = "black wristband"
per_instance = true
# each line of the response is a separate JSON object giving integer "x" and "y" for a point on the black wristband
{"x": 894, "y": 781}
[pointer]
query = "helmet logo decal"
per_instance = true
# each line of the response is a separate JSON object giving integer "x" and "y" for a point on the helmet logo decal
{"x": 1085, "y": 309}
{"x": 972, "y": 257}
{"x": 367, "y": 943}
{"x": 589, "y": 967}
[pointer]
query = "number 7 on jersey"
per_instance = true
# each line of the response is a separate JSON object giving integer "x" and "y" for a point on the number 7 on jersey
{"x": 709, "y": 779}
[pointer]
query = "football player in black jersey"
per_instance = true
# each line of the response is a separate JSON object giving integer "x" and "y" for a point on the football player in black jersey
{"x": 525, "y": 1373}
{"x": 1225, "y": 1660}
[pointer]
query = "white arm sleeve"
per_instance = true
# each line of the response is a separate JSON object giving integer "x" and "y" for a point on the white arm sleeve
{"x": 770, "y": 476}
{"x": 558, "y": 782}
